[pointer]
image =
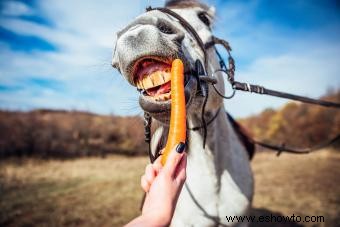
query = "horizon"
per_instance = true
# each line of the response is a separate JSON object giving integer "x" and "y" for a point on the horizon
{"x": 55, "y": 61}
{"x": 330, "y": 93}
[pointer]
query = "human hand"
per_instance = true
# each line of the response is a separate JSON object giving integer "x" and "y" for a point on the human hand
{"x": 163, "y": 185}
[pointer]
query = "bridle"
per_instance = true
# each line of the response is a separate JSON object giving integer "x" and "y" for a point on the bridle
{"x": 203, "y": 79}
{"x": 200, "y": 72}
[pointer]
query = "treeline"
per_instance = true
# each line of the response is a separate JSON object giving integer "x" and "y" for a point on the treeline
{"x": 63, "y": 134}
{"x": 297, "y": 125}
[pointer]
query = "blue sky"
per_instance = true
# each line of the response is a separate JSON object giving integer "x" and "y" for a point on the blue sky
{"x": 57, "y": 54}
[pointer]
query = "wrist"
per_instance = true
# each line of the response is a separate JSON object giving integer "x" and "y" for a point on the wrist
{"x": 158, "y": 221}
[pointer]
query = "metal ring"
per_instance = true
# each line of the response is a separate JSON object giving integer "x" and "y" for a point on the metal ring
{"x": 223, "y": 71}
{"x": 217, "y": 91}
{"x": 223, "y": 96}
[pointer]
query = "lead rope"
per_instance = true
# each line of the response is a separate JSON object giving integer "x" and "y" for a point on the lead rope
{"x": 264, "y": 91}
{"x": 284, "y": 148}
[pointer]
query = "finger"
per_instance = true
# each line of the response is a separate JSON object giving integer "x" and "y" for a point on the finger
{"x": 145, "y": 184}
{"x": 174, "y": 159}
{"x": 157, "y": 165}
{"x": 161, "y": 151}
{"x": 181, "y": 175}
{"x": 159, "y": 159}
{"x": 150, "y": 173}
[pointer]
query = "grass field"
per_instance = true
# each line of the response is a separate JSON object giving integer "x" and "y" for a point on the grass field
{"x": 105, "y": 192}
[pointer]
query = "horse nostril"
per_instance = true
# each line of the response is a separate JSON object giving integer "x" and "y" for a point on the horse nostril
{"x": 164, "y": 28}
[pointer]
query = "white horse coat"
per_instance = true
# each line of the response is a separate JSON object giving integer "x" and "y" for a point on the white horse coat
{"x": 219, "y": 178}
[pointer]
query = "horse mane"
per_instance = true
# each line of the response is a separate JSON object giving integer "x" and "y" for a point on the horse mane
{"x": 180, "y": 4}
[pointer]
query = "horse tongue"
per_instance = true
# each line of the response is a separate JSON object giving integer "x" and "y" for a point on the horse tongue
{"x": 162, "y": 89}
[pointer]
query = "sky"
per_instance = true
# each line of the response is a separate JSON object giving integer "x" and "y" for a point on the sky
{"x": 57, "y": 54}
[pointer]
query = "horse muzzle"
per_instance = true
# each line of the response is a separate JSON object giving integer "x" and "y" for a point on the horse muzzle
{"x": 160, "y": 110}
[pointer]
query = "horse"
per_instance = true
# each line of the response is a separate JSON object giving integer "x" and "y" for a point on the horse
{"x": 219, "y": 177}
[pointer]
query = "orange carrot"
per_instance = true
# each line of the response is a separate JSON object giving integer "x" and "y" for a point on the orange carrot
{"x": 177, "y": 130}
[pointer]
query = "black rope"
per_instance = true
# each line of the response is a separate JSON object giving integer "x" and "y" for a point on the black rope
{"x": 204, "y": 124}
{"x": 284, "y": 148}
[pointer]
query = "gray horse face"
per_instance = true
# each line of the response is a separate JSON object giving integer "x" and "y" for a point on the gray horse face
{"x": 145, "y": 49}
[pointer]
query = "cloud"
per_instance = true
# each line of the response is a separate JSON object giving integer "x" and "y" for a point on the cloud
{"x": 310, "y": 73}
{"x": 16, "y": 8}
{"x": 76, "y": 72}
{"x": 274, "y": 49}
{"x": 83, "y": 32}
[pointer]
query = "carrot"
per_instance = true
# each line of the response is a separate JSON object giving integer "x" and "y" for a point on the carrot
{"x": 177, "y": 130}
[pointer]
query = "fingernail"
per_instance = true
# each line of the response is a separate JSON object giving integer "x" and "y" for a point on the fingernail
{"x": 180, "y": 147}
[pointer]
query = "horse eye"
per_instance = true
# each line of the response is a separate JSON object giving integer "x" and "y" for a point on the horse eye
{"x": 165, "y": 28}
{"x": 203, "y": 17}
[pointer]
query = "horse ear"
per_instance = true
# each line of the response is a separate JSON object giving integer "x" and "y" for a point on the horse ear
{"x": 212, "y": 11}
{"x": 179, "y": 2}
{"x": 172, "y": 2}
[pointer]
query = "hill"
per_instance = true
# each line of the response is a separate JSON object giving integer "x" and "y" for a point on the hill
{"x": 66, "y": 134}
{"x": 297, "y": 124}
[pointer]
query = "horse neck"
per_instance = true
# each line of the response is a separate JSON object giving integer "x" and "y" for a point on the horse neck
{"x": 218, "y": 131}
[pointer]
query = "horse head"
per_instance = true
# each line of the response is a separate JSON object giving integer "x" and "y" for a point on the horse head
{"x": 146, "y": 47}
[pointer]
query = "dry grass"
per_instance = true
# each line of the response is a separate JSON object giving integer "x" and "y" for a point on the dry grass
{"x": 301, "y": 185}
{"x": 83, "y": 192}
{"x": 105, "y": 192}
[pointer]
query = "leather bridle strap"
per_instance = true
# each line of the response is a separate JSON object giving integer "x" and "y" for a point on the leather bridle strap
{"x": 187, "y": 27}
{"x": 264, "y": 91}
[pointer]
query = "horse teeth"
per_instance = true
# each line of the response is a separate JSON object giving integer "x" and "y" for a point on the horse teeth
{"x": 167, "y": 96}
{"x": 161, "y": 77}
{"x": 163, "y": 97}
{"x": 147, "y": 82}
{"x": 140, "y": 85}
{"x": 167, "y": 77}
{"x": 154, "y": 79}
{"x": 164, "y": 77}
{"x": 157, "y": 78}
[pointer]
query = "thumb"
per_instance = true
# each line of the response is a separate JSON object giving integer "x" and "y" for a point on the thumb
{"x": 174, "y": 159}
